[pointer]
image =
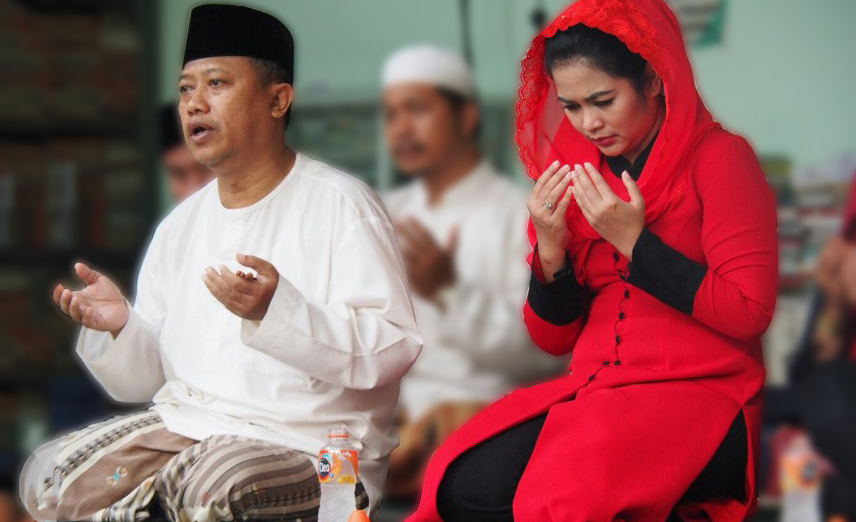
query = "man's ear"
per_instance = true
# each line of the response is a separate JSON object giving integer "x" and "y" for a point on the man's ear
{"x": 281, "y": 95}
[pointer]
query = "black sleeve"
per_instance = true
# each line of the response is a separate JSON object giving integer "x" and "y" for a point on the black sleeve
{"x": 664, "y": 272}
{"x": 560, "y": 301}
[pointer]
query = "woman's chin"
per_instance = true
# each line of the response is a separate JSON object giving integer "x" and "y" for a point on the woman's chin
{"x": 614, "y": 149}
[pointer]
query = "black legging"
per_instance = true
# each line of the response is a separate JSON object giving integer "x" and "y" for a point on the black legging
{"x": 480, "y": 484}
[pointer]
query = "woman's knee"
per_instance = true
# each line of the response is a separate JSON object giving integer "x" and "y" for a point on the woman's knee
{"x": 467, "y": 493}
{"x": 481, "y": 483}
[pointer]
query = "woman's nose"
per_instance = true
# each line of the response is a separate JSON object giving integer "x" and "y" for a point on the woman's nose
{"x": 591, "y": 122}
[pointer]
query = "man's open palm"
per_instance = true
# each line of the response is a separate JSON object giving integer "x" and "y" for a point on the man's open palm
{"x": 99, "y": 306}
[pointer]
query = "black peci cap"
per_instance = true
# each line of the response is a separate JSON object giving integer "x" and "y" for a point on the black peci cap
{"x": 232, "y": 30}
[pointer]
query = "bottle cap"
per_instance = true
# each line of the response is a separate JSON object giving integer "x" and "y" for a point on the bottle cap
{"x": 359, "y": 516}
{"x": 338, "y": 433}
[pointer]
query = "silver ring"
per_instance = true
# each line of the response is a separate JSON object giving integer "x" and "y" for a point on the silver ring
{"x": 549, "y": 205}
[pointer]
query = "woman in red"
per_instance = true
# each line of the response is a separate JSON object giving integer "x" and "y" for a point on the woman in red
{"x": 660, "y": 279}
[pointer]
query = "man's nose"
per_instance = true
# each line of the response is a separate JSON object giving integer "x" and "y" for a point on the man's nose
{"x": 398, "y": 128}
{"x": 196, "y": 102}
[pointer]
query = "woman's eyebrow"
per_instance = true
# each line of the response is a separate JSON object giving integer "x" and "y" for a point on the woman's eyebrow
{"x": 590, "y": 97}
{"x": 598, "y": 94}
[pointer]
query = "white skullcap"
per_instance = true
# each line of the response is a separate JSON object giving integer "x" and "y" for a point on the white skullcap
{"x": 429, "y": 64}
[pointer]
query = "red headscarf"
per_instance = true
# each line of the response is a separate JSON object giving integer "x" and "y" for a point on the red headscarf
{"x": 544, "y": 134}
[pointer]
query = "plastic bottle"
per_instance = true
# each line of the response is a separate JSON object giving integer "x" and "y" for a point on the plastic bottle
{"x": 800, "y": 478}
{"x": 338, "y": 469}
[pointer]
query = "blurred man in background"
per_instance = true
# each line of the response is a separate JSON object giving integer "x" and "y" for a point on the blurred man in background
{"x": 184, "y": 174}
{"x": 825, "y": 371}
{"x": 461, "y": 226}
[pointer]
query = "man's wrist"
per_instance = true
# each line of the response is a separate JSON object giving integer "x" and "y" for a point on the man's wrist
{"x": 115, "y": 333}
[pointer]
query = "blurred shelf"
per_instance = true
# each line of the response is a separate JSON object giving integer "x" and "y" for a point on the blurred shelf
{"x": 49, "y": 257}
{"x": 78, "y": 127}
{"x": 23, "y": 381}
{"x": 25, "y": 131}
{"x": 86, "y": 6}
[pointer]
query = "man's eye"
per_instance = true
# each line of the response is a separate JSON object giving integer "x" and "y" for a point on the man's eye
{"x": 604, "y": 103}
{"x": 184, "y": 89}
{"x": 215, "y": 83}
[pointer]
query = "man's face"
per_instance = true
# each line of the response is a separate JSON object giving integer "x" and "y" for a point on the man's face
{"x": 185, "y": 175}
{"x": 423, "y": 128}
{"x": 224, "y": 109}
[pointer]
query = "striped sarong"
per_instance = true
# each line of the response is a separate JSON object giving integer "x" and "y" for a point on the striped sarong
{"x": 131, "y": 468}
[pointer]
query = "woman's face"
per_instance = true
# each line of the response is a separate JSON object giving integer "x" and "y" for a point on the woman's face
{"x": 607, "y": 110}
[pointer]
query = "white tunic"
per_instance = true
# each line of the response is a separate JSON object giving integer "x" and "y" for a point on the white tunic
{"x": 331, "y": 350}
{"x": 477, "y": 348}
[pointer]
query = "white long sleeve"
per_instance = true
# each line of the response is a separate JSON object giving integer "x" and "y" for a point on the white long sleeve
{"x": 129, "y": 366}
{"x": 482, "y": 319}
{"x": 364, "y": 335}
{"x": 484, "y": 323}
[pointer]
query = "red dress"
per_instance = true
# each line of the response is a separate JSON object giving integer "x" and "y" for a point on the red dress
{"x": 651, "y": 393}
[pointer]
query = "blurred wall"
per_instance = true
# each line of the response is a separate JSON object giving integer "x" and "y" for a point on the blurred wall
{"x": 784, "y": 77}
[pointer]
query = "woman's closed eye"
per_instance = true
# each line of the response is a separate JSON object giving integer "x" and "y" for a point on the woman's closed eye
{"x": 601, "y": 104}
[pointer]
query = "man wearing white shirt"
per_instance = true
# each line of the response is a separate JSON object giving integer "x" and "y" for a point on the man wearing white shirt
{"x": 462, "y": 230}
{"x": 271, "y": 306}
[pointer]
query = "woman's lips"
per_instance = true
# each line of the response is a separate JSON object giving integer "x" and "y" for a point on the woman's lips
{"x": 604, "y": 142}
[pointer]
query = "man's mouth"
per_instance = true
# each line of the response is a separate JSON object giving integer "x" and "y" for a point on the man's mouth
{"x": 198, "y": 131}
{"x": 408, "y": 151}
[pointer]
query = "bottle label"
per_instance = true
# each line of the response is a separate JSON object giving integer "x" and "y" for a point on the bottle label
{"x": 338, "y": 466}
{"x": 325, "y": 466}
